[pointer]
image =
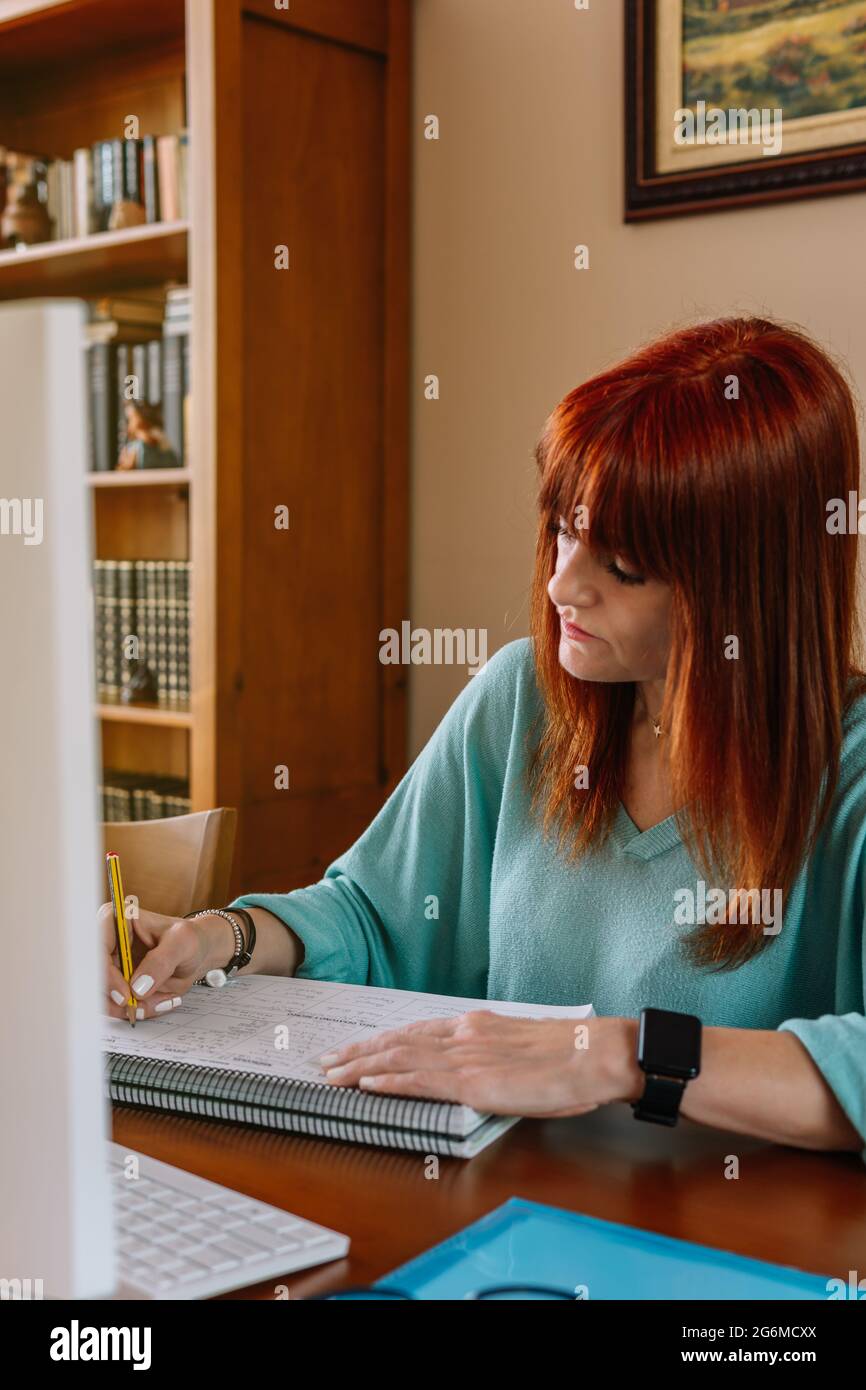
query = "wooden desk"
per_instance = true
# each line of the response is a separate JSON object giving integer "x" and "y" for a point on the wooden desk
{"x": 788, "y": 1205}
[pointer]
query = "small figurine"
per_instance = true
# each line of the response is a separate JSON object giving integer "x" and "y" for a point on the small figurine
{"x": 24, "y": 219}
{"x": 142, "y": 687}
{"x": 147, "y": 445}
{"x": 125, "y": 213}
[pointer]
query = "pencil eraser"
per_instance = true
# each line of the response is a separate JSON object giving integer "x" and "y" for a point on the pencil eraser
{"x": 216, "y": 978}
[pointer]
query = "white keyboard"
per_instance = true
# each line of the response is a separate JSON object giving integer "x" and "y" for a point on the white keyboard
{"x": 179, "y": 1236}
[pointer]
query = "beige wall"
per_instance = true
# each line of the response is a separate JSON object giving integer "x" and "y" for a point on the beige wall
{"x": 530, "y": 163}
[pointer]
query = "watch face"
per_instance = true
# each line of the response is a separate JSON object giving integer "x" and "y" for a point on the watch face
{"x": 669, "y": 1043}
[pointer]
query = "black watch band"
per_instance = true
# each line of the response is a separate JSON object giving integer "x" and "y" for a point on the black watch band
{"x": 660, "y": 1102}
{"x": 669, "y": 1055}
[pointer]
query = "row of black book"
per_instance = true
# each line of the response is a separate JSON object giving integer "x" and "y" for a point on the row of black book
{"x": 138, "y": 796}
{"x": 139, "y": 381}
{"x": 141, "y": 630}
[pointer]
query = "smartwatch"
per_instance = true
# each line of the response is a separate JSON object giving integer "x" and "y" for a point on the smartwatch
{"x": 669, "y": 1054}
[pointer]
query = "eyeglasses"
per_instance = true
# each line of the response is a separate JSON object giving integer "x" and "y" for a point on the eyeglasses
{"x": 376, "y": 1293}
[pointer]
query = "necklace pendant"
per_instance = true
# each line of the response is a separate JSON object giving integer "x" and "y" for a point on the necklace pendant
{"x": 657, "y": 728}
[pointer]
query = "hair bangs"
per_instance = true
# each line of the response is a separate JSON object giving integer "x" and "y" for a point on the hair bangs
{"x": 601, "y": 484}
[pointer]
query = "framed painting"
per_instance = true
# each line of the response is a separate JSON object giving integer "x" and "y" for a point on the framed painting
{"x": 736, "y": 102}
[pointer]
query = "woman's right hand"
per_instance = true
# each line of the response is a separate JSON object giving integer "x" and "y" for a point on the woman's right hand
{"x": 169, "y": 954}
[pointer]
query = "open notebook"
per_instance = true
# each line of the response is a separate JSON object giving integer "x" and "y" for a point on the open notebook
{"x": 249, "y": 1053}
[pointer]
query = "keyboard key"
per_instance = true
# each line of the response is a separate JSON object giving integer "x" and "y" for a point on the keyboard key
{"x": 286, "y": 1225}
{"x": 192, "y": 1227}
{"x": 271, "y": 1240}
{"x": 236, "y": 1202}
{"x": 162, "y": 1236}
{"x": 188, "y": 1272}
{"x": 218, "y": 1261}
{"x": 184, "y": 1246}
{"x": 240, "y": 1249}
{"x": 176, "y": 1201}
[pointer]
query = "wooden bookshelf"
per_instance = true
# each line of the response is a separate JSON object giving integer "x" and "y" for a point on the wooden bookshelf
{"x": 300, "y": 391}
{"x": 161, "y": 716}
{"x": 102, "y": 263}
{"x": 141, "y": 477}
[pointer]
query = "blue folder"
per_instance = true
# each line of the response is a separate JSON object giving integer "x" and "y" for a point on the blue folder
{"x": 529, "y": 1243}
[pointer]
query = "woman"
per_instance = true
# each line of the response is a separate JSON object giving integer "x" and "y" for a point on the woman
{"x": 614, "y": 811}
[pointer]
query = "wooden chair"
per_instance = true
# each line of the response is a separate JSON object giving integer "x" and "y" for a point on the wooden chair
{"x": 176, "y": 865}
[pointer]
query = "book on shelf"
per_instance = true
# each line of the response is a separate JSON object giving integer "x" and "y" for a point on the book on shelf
{"x": 176, "y": 368}
{"x": 216, "y": 1058}
{"x": 178, "y": 303}
{"x": 133, "y": 796}
{"x": 101, "y": 408}
{"x": 148, "y": 600}
{"x": 169, "y": 174}
{"x": 103, "y": 183}
{"x": 183, "y": 173}
{"x": 173, "y": 393}
{"x": 155, "y": 373}
{"x": 142, "y": 306}
{"x": 83, "y": 222}
{"x": 128, "y": 173}
{"x": 150, "y": 180}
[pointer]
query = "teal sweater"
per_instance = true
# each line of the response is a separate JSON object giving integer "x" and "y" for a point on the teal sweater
{"x": 453, "y": 889}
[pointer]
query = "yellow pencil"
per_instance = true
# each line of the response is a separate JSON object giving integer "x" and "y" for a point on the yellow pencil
{"x": 121, "y": 927}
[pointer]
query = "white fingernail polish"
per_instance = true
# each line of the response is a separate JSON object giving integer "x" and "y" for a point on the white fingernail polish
{"x": 175, "y": 1001}
{"x": 142, "y": 984}
{"x": 139, "y": 1013}
{"x": 117, "y": 996}
{"x": 164, "y": 1007}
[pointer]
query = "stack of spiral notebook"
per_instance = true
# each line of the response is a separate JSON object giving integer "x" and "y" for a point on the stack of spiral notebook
{"x": 248, "y": 1054}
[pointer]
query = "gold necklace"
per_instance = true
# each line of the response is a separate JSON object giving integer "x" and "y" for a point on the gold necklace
{"x": 656, "y": 723}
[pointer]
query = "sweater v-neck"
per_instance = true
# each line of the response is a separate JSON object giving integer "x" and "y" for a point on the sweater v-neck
{"x": 645, "y": 844}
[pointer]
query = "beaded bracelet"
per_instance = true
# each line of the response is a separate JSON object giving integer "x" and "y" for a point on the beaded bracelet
{"x": 242, "y": 954}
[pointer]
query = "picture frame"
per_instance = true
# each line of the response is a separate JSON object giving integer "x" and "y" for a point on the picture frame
{"x": 675, "y": 49}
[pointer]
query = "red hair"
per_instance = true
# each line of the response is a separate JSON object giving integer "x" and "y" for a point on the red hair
{"x": 720, "y": 491}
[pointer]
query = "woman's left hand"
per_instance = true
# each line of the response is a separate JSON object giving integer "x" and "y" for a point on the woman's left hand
{"x": 495, "y": 1063}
